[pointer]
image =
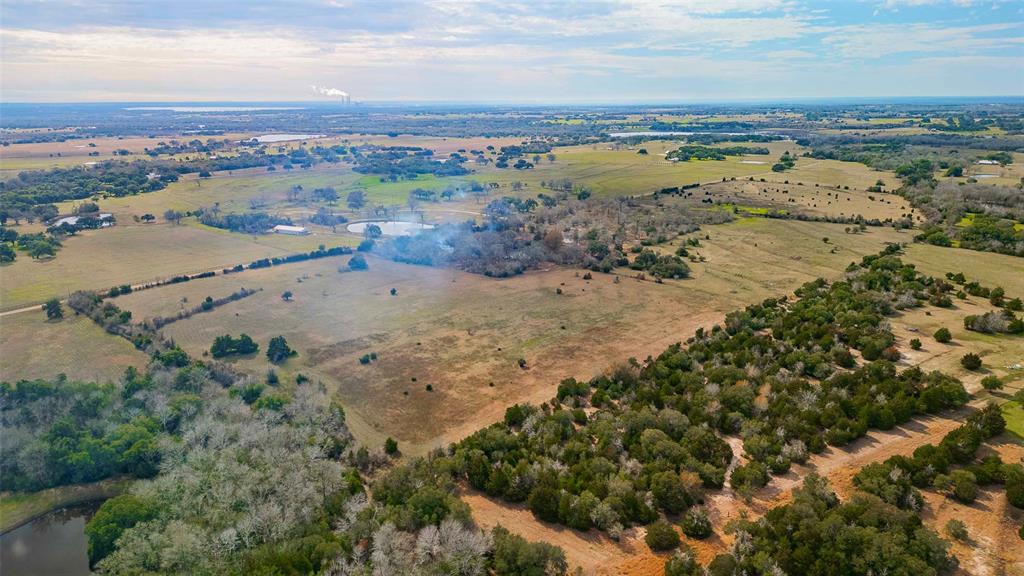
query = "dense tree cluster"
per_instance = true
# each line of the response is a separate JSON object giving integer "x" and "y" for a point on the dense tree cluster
{"x": 226, "y": 345}
{"x": 819, "y": 535}
{"x": 621, "y": 449}
{"x": 242, "y": 480}
{"x": 66, "y": 432}
{"x": 404, "y": 162}
{"x": 247, "y": 223}
{"x": 949, "y": 467}
{"x": 518, "y": 235}
{"x": 785, "y": 163}
{"x": 699, "y": 152}
{"x": 114, "y": 177}
{"x": 660, "y": 265}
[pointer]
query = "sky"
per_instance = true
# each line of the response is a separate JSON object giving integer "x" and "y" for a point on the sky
{"x": 591, "y": 51}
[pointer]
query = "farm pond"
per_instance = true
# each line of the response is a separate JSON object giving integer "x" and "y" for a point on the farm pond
{"x": 53, "y": 544}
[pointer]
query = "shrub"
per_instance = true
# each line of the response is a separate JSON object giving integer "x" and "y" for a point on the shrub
{"x": 513, "y": 554}
{"x": 278, "y": 350}
{"x": 957, "y": 530}
{"x": 661, "y": 536}
{"x": 683, "y": 563}
{"x": 696, "y": 524}
{"x": 992, "y": 383}
{"x": 543, "y": 502}
{"x": 943, "y": 335}
{"x": 358, "y": 262}
{"x": 111, "y": 520}
{"x": 971, "y": 361}
{"x": 1015, "y": 485}
{"x": 391, "y": 446}
{"x": 915, "y": 344}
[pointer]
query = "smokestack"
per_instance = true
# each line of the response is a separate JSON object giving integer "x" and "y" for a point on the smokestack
{"x": 341, "y": 95}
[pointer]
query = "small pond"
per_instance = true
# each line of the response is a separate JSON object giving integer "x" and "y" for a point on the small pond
{"x": 52, "y": 545}
{"x": 397, "y": 228}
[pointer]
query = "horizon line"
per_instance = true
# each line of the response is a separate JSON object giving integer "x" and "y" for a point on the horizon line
{"x": 538, "y": 102}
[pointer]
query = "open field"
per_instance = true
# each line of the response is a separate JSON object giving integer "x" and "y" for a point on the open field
{"x": 32, "y": 347}
{"x": 460, "y": 332}
{"x": 440, "y": 145}
{"x": 234, "y": 192}
{"x": 807, "y": 198}
{"x": 135, "y": 253}
{"x": 617, "y": 170}
{"x": 75, "y": 152}
{"x": 987, "y": 267}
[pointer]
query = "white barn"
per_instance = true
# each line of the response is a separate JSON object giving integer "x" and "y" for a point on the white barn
{"x": 292, "y": 230}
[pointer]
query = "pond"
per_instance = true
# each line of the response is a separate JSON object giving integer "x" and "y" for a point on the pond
{"x": 397, "y": 228}
{"x": 53, "y": 544}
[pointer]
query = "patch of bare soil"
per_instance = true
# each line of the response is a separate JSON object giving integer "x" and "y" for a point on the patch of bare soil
{"x": 592, "y": 551}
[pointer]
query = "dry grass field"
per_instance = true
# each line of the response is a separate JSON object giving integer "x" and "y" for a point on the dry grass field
{"x": 459, "y": 332}
{"x": 808, "y": 198}
{"x": 75, "y": 152}
{"x": 135, "y": 253}
{"x": 32, "y": 347}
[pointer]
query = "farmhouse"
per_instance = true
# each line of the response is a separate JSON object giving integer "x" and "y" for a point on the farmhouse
{"x": 293, "y": 230}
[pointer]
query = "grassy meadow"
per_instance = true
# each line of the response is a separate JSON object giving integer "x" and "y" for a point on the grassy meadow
{"x": 33, "y": 347}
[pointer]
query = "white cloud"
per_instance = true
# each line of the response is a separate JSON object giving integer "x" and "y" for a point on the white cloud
{"x": 461, "y": 49}
{"x": 877, "y": 41}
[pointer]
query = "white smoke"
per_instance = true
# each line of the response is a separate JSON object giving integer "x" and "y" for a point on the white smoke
{"x": 332, "y": 92}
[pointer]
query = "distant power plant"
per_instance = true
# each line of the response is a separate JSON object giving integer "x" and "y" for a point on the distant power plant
{"x": 341, "y": 95}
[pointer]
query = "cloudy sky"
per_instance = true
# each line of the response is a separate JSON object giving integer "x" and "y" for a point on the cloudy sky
{"x": 460, "y": 50}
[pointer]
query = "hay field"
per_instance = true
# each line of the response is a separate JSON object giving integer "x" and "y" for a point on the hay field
{"x": 460, "y": 332}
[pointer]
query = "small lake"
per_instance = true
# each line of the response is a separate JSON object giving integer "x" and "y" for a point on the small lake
{"x": 212, "y": 108}
{"x": 271, "y": 138}
{"x": 52, "y": 545}
{"x": 398, "y": 228}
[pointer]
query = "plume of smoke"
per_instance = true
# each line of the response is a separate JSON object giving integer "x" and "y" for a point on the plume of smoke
{"x": 332, "y": 92}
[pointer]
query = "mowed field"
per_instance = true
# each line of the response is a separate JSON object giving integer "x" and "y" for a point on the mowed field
{"x": 460, "y": 333}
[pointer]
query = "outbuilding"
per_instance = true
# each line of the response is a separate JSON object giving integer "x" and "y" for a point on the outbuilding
{"x": 292, "y": 230}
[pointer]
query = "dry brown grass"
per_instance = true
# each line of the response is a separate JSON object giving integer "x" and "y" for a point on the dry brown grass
{"x": 460, "y": 332}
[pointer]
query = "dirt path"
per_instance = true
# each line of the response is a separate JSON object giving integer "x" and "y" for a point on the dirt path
{"x": 592, "y": 551}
